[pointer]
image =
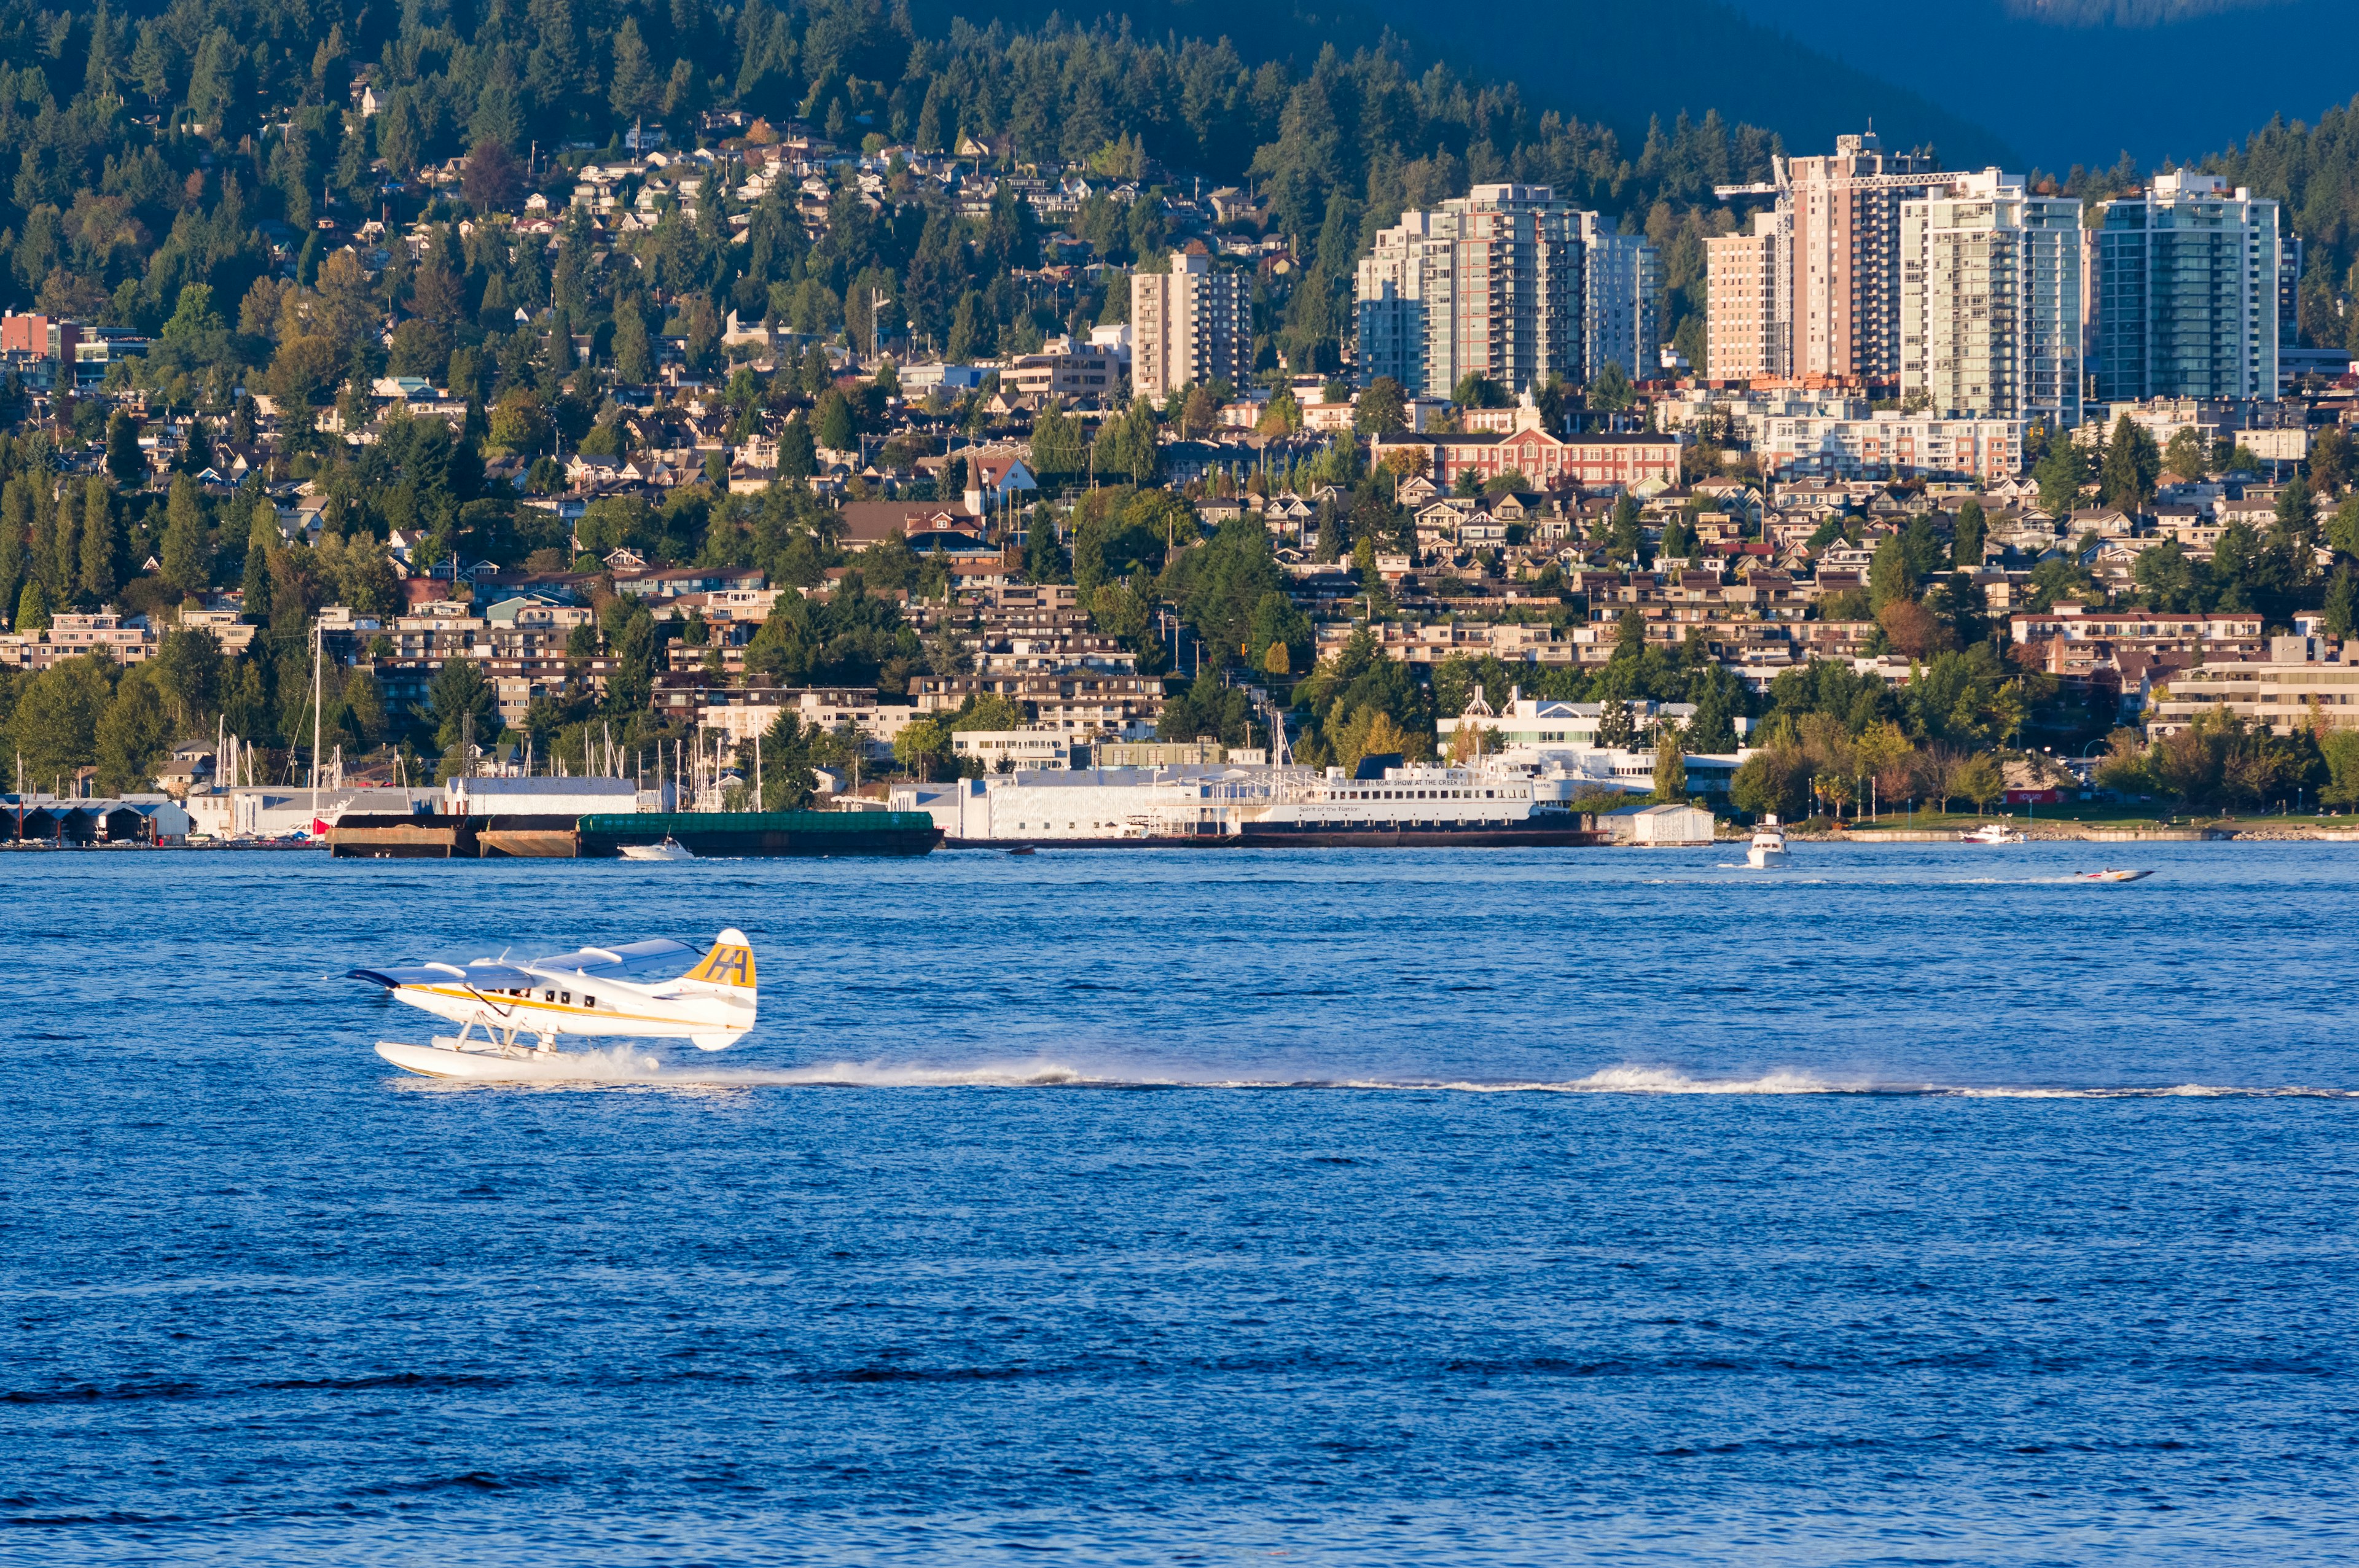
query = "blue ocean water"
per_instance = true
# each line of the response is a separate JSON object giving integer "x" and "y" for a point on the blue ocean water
{"x": 1916, "y": 1206}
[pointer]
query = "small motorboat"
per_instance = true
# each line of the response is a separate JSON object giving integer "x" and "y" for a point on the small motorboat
{"x": 1021, "y": 849}
{"x": 2114, "y": 876}
{"x": 1991, "y": 833}
{"x": 670, "y": 849}
{"x": 1769, "y": 847}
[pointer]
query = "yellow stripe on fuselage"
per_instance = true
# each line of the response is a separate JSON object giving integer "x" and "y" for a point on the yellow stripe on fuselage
{"x": 499, "y": 1003}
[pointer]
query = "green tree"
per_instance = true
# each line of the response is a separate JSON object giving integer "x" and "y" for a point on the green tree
{"x": 262, "y": 546}
{"x": 187, "y": 553}
{"x": 32, "y": 608}
{"x": 2059, "y": 476}
{"x": 1381, "y": 409}
{"x": 1475, "y": 390}
{"x": 1609, "y": 391}
{"x": 920, "y": 747}
{"x": 788, "y": 782}
{"x": 457, "y": 692}
{"x": 1623, "y": 539}
{"x": 2185, "y": 455}
{"x": 797, "y": 453}
{"x": 187, "y": 670}
{"x": 2330, "y": 460}
{"x": 1890, "y": 575}
{"x": 1670, "y": 767}
{"x": 125, "y": 460}
{"x": 2341, "y": 607}
{"x": 2297, "y": 514}
{"x": 1967, "y": 550}
{"x": 133, "y": 737}
{"x": 634, "y": 91}
{"x": 102, "y": 541}
{"x": 835, "y": 431}
{"x": 2132, "y": 464}
{"x": 1979, "y": 779}
{"x": 1773, "y": 782}
{"x": 54, "y": 725}
{"x": 1044, "y": 556}
{"x": 2166, "y": 577}
{"x": 1057, "y": 444}
{"x": 634, "y": 352}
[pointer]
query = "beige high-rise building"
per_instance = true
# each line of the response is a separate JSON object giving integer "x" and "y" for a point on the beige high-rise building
{"x": 1990, "y": 317}
{"x": 1843, "y": 213}
{"x": 1190, "y": 326}
{"x": 1745, "y": 327}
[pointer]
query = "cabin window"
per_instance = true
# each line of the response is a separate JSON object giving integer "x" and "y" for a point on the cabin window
{"x": 589, "y": 1001}
{"x": 565, "y": 997}
{"x": 549, "y": 996}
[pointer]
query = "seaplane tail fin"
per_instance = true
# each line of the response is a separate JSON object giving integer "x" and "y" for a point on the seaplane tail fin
{"x": 730, "y": 964}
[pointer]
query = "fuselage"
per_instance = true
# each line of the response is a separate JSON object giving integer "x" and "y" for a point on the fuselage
{"x": 586, "y": 1004}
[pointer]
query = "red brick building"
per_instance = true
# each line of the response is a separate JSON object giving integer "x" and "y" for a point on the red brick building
{"x": 1549, "y": 461}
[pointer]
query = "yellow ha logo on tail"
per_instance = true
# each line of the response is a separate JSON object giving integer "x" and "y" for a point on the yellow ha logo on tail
{"x": 731, "y": 962}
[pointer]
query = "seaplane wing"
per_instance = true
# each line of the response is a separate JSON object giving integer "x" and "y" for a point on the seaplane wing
{"x": 652, "y": 989}
{"x": 488, "y": 974}
{"x": 660, "y": 958}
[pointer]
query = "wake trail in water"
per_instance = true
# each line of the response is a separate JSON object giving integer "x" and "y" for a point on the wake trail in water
{"x": 632, "y": 1069}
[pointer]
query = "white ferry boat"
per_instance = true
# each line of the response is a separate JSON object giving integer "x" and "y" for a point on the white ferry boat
{"x": 1400, "y": 805}
{"x": 1487, "y": 803}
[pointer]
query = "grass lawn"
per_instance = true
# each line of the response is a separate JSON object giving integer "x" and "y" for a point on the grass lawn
{"x": 2092, "y": 813}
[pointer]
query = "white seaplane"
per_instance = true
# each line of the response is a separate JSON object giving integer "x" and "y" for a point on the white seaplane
{"x": 656, "y": 989}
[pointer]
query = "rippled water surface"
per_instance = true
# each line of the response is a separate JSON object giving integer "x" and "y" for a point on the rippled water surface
{"x": 1916, "y": 1206}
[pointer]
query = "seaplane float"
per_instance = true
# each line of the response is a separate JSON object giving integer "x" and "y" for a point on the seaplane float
{"x": 656, "y": 989}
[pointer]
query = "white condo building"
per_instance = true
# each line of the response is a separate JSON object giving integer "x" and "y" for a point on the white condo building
{"x": 1491, "y": 284}
{"x": 1990, "y": 302}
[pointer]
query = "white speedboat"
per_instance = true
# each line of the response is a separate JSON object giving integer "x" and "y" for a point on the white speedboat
{"x": 2110, "y": 875}
{"x": 1990, "y": 833}
{"x": 670, "y": 849}
{"x": 1769, "y": 847}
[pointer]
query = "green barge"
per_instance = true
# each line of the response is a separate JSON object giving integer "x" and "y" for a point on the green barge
{"x": 708, "y": 835}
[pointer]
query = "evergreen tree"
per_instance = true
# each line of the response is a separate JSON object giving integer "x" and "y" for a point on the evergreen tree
{"x": 1615, "y": 728}
{"x": 261, "y": 544}
{"x": 1889, "y": 576}
{"x": 797, "y": 455}
{"x": 2297, "y": 516}
{"x": 633, "y": 94}
{"x": 634, "y": 353}
{"x": 2131, "y": 466}
{"x": 2059, "y": 476}
{"x": 1623, "y": 537}
{"x": 1381, "y": 409}
{"x": 16, "y": 535}
{"x": 1044, "y": 556}
{"x": 818, "y": 375}
{"x": 124, "y": 459}
{"x": 2341, "y": 602}
{"x": 186, "y": 557}
{"x": 1671, "y": 766}
{"x": 32, "y": 609}
{"x": 1328, "y": 547}
{"x": 1967, "y": 550}
{"x": 2329, "y": 461}
{"x": 835, "y": 429}
{"x": 101, "y": 542}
